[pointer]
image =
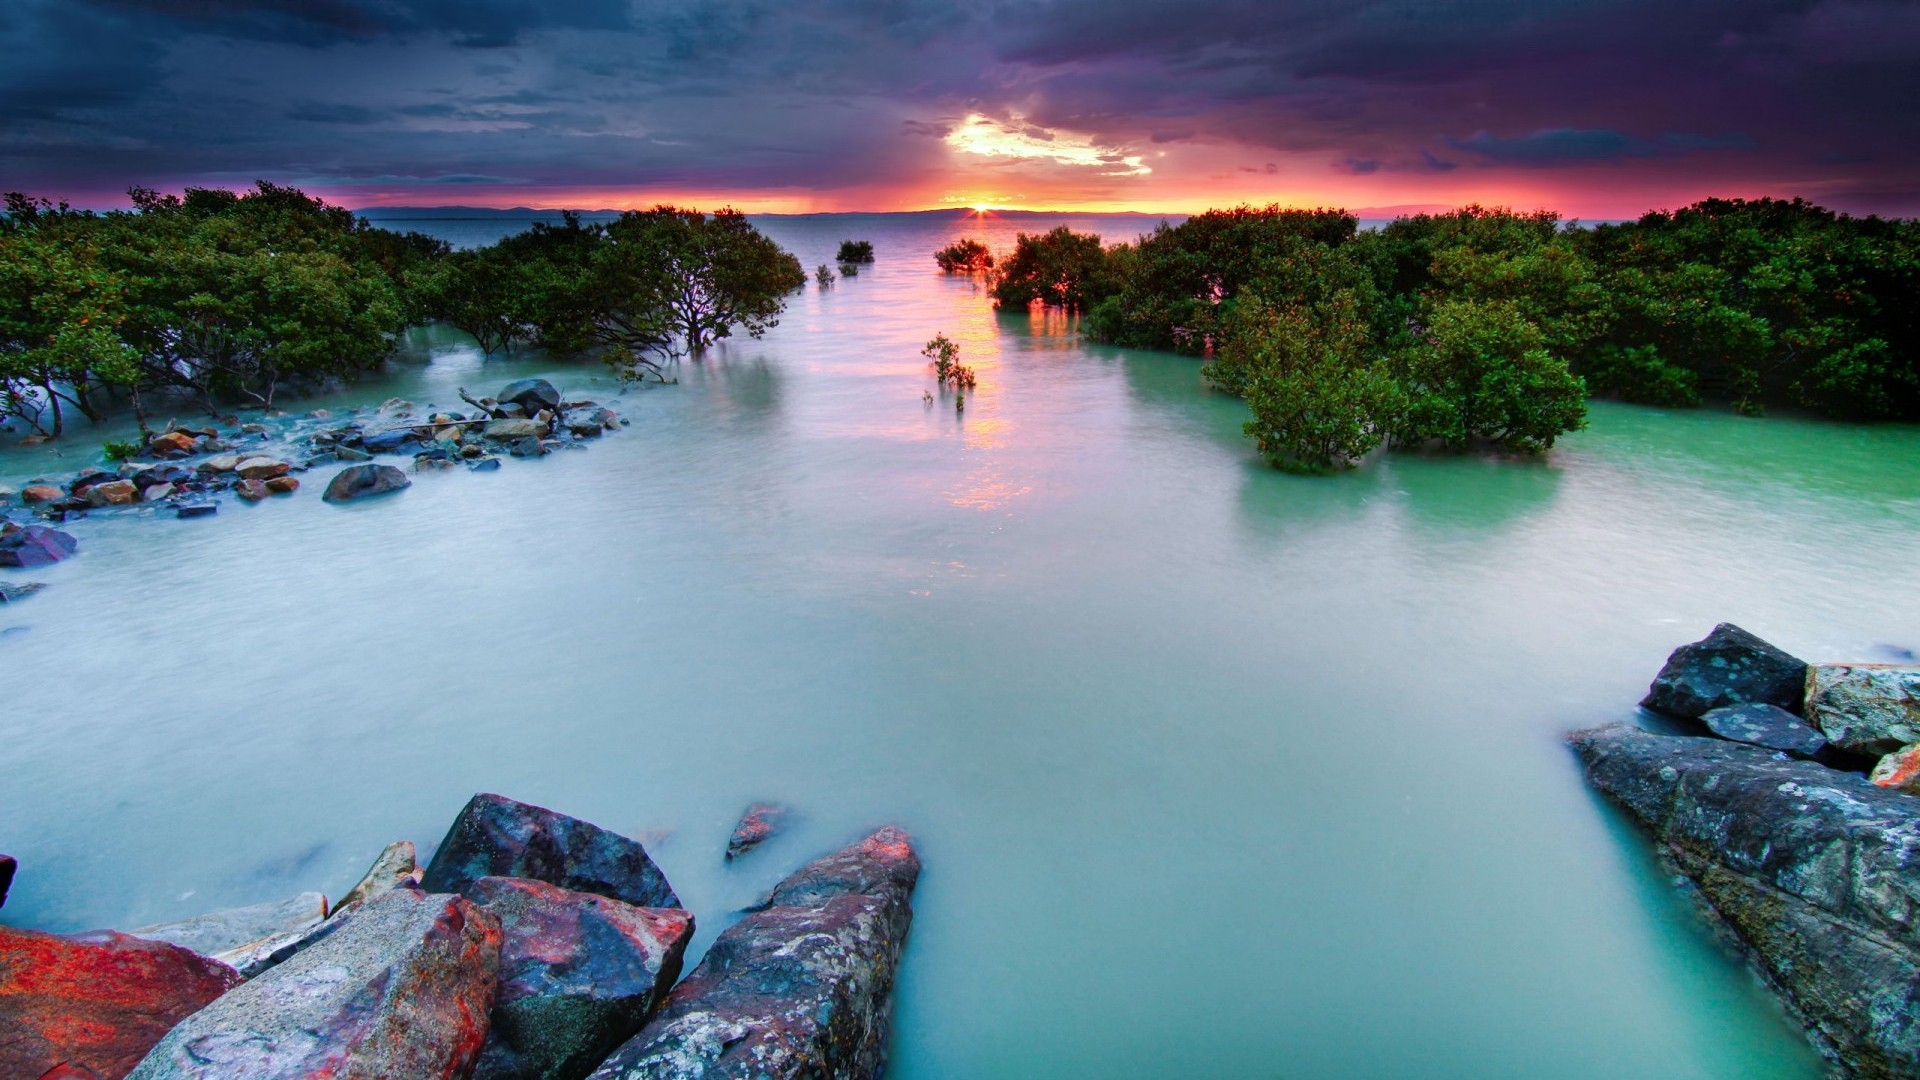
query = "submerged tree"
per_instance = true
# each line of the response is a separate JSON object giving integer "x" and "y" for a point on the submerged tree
{"x": 854, "y": 252}
{"x": 966, "y": 256}
{"x": 1061, "y": 268}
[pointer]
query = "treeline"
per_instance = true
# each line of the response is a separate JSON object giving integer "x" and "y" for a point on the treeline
{"x": 222, "y": 297}
{"x": 1489, "y": 326}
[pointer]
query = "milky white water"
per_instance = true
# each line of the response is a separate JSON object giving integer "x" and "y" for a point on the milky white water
{"x": 1216, "y": 771}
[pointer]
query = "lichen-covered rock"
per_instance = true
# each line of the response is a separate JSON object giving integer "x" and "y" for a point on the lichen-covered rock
{"x": 1727, "y": 667}
{"x": 495, "y": 836}
{"x": 244, "y": 938}
{"x": 1815, "y": 870}
{"x": 361, "y": 481}
{"x": 401, "y": 990}
{"x": 801, "y": 988}
{"x": 1765, "y": 725}
{"x": 761, "y": 821}
{"x": 579, "y": 975}
{"x": 1865, "y": 708}
{"x": 1899, "y": 770}
{"x": 95, "y": 1002}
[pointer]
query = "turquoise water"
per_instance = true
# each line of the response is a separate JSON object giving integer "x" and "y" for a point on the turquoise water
{"x": 1216, "y": 771}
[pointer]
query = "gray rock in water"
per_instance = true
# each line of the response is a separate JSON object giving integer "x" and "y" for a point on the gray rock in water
{"x": 34, "y": 545}
{"x": 759, "y": 824}
{"x": 1765, "y": 725}
{"x": 10, "y": 593}
{"x": 243, "y": 938}
{"x": 579, "y": 975}
{"x": 395, "y": 866}
{"x": 799, "y": 989}
{"x": 361, "y": 481}
{"x": 1865, "y": 708}
{"x": 530, "y": 394}
{"x": 495, "y": 836}
{"x": 1816, "y": 871}
{"x": 515, "y": 429}
{"x": 402, "y": 990}
{"x": 1727, "y": 667}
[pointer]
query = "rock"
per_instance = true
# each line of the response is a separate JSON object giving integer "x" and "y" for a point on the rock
{"x": 1727, "y": 667}
{"x": 95, "y": 1003}
{"x": 526, "y": 448}
{"x": 34, "y": 545}
{"x": 197, "y": 510}
{"x": 515, "y": 429}
{"x": 283, "y": 485}
{"x": 8, "y": 864}
{"x": 498, "y": 837}
{"x": 1865, "y": 708}
{"x": 262, "y": 468}
{"x": 1815, "y": 870}
{"x": 508, "y": 412}
{"x": 254, "y": 429}
{"x": 173, "y": 442}
{"x": 348, "y": 453}
{"x": 360, "y": 481}
{"x": 452, "y": 433}
{"x": 10, "y": 593}
{"x": 113, "y": 493}
{"x": 250, "y": 490}
{"x": 801, "y": 988}
{"x": 1765, "y": 725}
{"x": 585, "y": 427}
{"x": 162, "y": 474}
{"x": 320, "y": 414}
{"x": 243, "y": 938}
{"x": 156, "y": 493}
{"x": 531, "y": 395}
{"x": 212, "y": 445}
{"x": 386, "y": 442}
{"x": 758, "y": 824}
{"x": 579, "y": 975}
{"x": 395, "y": 866}
{"x": 39, "y": 493}
{"x": 1899, "y": 770}
{"x": 491, "y": 464}
{"x": 220, "y": 463}
{"x": 401, "y": 990}
{"x": 396, "y": 406}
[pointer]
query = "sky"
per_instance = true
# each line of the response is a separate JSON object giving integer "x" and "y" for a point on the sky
{"x": 1596, "y": 108}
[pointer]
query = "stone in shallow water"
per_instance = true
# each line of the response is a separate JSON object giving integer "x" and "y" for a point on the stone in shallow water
{"x": 1866, "y": 708}
{"x": 10, "y": 593}
{"x": 759, "y": 824}
{"x": 95, "y": 1002}
{"x": 579, "y": 975}
{"x": 34, "y": 545}
{"x": 401, "y": 990}
{"x": 393, "y": 867}
{"x": 1765, "y": 725}
{"x": 239, "y": 937}
{"x": 495, "y": 836}
{"x": 361, "y": 481}
{"x": 197, "y": 510}
{"x": 1727, "y": 667}
{"x": 531, "y": 395}
{"x": 799, "y": 989}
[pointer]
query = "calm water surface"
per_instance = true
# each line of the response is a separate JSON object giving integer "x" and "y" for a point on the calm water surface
{"x": 1216, "y": 771}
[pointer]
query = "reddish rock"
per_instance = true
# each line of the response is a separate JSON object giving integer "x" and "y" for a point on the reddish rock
{"x": 39, "y": 493}
{"x": 261, "y": 468}
{"x": 756, "y": 826}
{"x": 250, "y": 490}
{"x": 401, "y": 989}
{"x": 495, "y": 836}
{"x": 799, "y": 989}
{"x": 283, "y": 485}
{"x": 579, "y": 975}
{"x": 173, "y": 442}
{"x": 1900, "y": 770}
{"x": 34, "y": 545}
{"x": 95, "y": 1003}
{"x": 113, "y": 493}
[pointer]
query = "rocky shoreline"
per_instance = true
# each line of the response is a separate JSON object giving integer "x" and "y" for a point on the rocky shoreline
{"x": 1792, "y": 814}
{"x": 186, "y": 472}
{"x": 532, "y": 945}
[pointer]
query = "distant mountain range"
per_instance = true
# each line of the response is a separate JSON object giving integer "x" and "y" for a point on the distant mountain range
{"x": 489, "y": 213}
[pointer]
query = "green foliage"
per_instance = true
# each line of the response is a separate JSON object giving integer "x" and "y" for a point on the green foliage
{"x": 823, "y": 274}
{"x": 1483, "y": 372}
{"x": 119, "y": 451}
{"x": 1319, "y": 401}
{"x": 944, "y": 354}
{"x": 965, "y": 256}
{"x": 855, "y": 251}
{"x": 1062, "y": 269}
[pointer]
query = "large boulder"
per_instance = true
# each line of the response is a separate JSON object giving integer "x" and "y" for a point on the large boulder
{"x": 34, "y": 545}
{"x": 1815, "y": 870}
{"x": 95, "y": 1003}
{"x": 531, "y": 395}
{"x": 579, "y": 975}
{"x": 800, "y": 988}
{"x": 361, "y": 481}
{"x": 495, "y": 836}
{"x": 244, "y": 938}
{"x": 1765, "y": 725}
{"x": 1865, "y": 708}
{"x": 401, "y": 990}
{"x": 1727, "y": 667}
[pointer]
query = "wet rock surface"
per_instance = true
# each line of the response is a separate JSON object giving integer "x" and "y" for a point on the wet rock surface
{"x": 1865, "y": 708}
{"x": 403, "y": 989}
{"x": 364, "y": 481}
{"x": 11, "y": 593}
{"x": 1727, "y": 667}
{"x": 495, "y": 836}
{"x": 760, "y": 823}
{"x": 579, "y": 975}
{"x": 244, "y": 938}
{"x": 34, "y": 545}
{"x": 394, "y": 867}
{"x": 94, "y": 1004}
{"x": 1765, "y": 725}
{"x": 1815, "y": 871}
{"x": 800, "y": 988}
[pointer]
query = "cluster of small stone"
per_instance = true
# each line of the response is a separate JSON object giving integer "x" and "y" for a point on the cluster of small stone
{"x": 1796, "y": 825}
{"x": 533, "y": 944}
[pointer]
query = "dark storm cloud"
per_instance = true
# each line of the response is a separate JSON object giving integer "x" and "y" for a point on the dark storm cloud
{"x": 809, "y": 94}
